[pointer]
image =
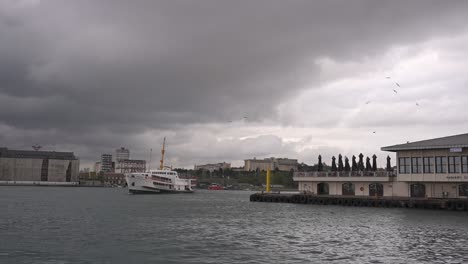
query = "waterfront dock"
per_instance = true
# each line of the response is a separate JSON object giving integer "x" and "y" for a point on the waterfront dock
{"x": 389, "y": 202}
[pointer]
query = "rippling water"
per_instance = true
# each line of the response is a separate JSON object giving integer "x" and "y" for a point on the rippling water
{"x": 105, "y": 225}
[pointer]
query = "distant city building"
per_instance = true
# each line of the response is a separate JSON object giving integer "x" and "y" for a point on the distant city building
{"x": 45, "y": 166}
{"x": 128, "y": 166}
{"x": 281, "y": 164}
{"x": 122, "y": 154}
{"x": 97, "y": 166}
{"x": 111, "y": 178}
{"x": 212, "y": 167}
{"x": 106, "y": 163}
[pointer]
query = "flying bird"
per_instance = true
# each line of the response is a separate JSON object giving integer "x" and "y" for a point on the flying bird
{"x": 417, "y": 104}
{"x": 388, "y": 77}
{"x": 397, "y": 84}
{"x": 373, "y": 132}
{"x": 395, "y": 91}
{"x": 368, "y": 102}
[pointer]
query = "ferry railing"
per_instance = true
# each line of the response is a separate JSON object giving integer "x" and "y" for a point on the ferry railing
{"x": 344, "y": 174}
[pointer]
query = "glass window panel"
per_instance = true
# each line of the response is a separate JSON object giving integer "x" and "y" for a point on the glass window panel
{"x": 454, "y": 163}
{"x": 428, "y": 164}
{"x": 441, "y": 164}
{"x": 465, "y": 164}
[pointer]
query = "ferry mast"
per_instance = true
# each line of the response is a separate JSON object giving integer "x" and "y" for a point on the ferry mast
{"x": 161, "y": 165}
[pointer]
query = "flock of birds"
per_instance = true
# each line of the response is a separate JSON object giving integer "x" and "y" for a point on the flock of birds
{"x": 399, "y": 86}
{"x": 367, "y": 102}
{"x": 395, "y": 91}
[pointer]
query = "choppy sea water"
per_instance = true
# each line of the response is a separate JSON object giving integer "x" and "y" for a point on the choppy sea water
{"x": 107, "y": 225}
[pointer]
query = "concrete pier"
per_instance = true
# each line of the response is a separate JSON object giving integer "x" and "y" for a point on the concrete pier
{"x": 394, "y": 202}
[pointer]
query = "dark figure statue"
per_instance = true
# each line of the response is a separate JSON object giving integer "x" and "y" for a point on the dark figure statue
{"x": 374, "y": 163}
{"x": 333, "y": 166}
{"x": 354, "y": 164}
{"x": 320, "y": 166}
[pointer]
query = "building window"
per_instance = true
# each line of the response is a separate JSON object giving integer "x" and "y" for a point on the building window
{"x": 441, "y": 164}
{"x": 463, "y": 189}
{"x": 322, "y": 188}
{"x": 428, "y": 164}
{"x": 375, "y": 189}
{"x": 417, "y": 165}
{"x": 418, "y": 190}
{"x": 404, "y": 165}
{"x": 347, "y": 188}
{"x": 464, "y": 161}
{"x": 454, "y": 164}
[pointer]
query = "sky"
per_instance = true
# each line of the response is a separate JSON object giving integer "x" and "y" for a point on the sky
{"x": 231, "y": 80}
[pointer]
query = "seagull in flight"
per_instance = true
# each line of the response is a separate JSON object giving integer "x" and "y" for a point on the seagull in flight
{"x": 397, "y": 84}
{"x": 417, "y": 104}
{"x": 388, "y": 77}
{"x": 395, "y": 91}
{"x": 373, "y": 132}
{"x": 368, "y": 102}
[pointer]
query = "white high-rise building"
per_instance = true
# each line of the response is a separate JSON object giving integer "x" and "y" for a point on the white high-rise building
{"x": 122, "y": 154}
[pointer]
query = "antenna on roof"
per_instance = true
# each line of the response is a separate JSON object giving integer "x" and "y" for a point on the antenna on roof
{"x": 36, "y": 147}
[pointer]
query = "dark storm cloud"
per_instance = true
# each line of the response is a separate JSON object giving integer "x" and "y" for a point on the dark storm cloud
{"x": 127, "y": 66}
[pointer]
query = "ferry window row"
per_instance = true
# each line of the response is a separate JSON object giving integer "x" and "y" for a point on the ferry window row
{"x": 439, "y": 164}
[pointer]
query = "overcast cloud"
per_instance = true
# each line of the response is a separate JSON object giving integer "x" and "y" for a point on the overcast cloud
{"x": 310, "y": 76}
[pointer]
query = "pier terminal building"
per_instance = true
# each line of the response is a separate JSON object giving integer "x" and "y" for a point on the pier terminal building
{"x": 434, "y": 168}
{"x": 38, "y": 167}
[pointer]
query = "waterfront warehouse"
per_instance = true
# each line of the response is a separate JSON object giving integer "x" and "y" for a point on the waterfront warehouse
{"x": 38, "y": 167}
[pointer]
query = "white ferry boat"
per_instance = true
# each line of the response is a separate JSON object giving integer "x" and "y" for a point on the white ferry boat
{"x": 158, "y": 181}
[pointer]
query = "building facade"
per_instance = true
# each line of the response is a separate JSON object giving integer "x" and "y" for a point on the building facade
{"x": 113, "y": 179}
{"x": 106, "y": 163}
{"x": 281, "y": 164}
{"x": 435, "y": 168}
{"x": 129, "y": 166}
{"x": 213, "y": 167}
{"x": 38, "y": 166}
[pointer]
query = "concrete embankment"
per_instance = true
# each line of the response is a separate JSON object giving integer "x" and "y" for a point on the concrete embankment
{"x": 390, "y": 202}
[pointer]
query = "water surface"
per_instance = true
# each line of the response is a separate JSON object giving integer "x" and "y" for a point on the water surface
{"x": 107, "y": 225}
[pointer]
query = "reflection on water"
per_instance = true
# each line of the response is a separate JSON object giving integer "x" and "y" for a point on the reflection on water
{"x": 98, "y": 225}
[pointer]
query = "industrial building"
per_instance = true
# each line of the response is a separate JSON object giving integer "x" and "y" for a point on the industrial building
{"x": 281, "y": 164}
{"x": 434, "y": 168}
{"x": 213, "y": 167}
{"x": 28, "y": 166}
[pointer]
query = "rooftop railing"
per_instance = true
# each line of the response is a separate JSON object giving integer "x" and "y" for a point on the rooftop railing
{"x": 344, "y": 174}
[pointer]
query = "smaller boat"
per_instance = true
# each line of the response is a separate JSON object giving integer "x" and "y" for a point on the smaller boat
{"x": 215, "y": 186}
